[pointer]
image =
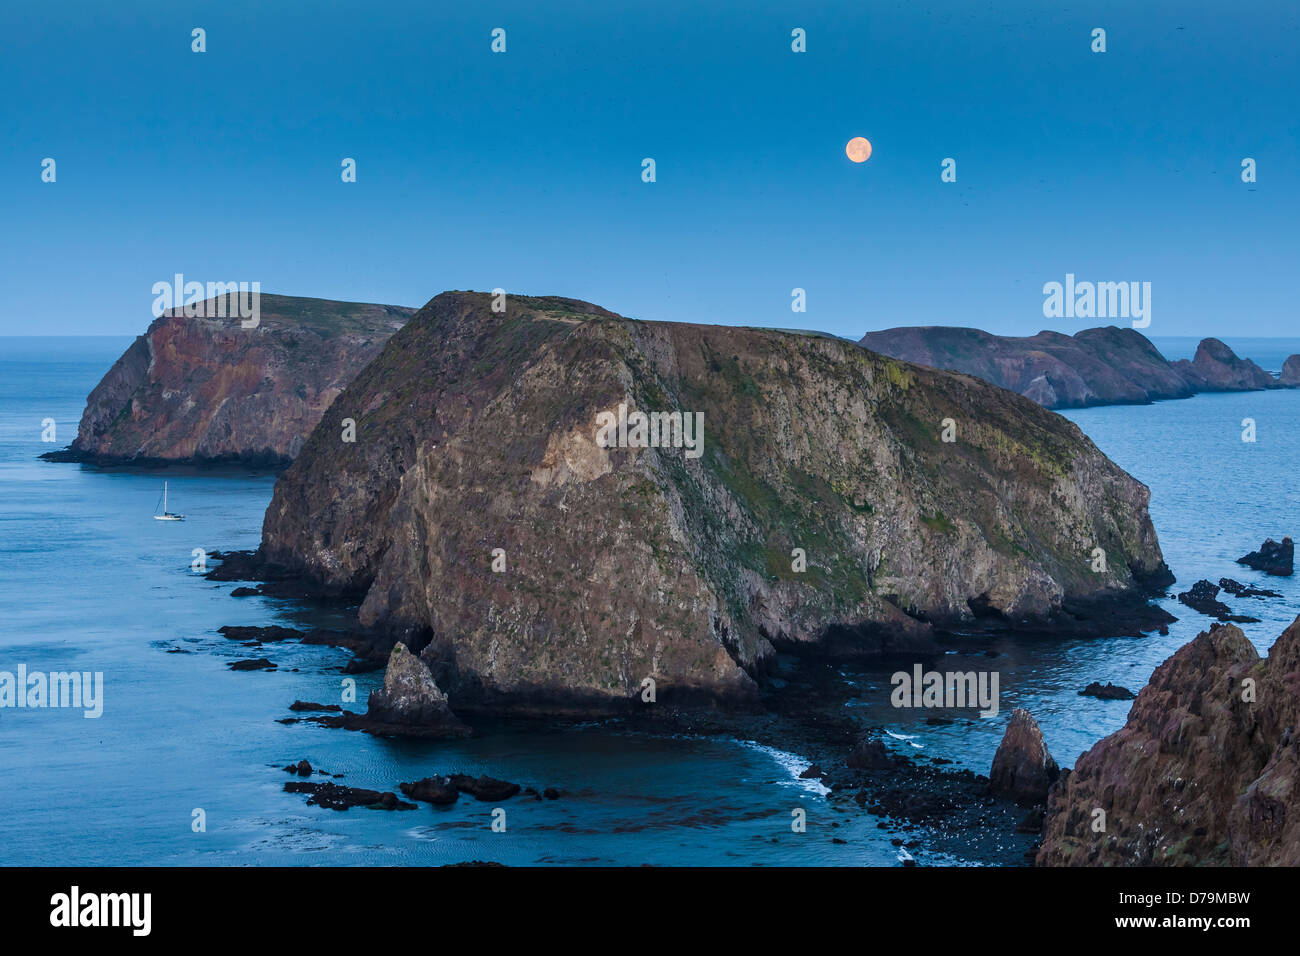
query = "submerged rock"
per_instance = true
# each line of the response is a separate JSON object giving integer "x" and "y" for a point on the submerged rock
{"x": 484, "y": 787}
{"x": 1108, "y": 692}
{"x": 436, "y": 790}
{"x": 1204, "y": 597}
{"x": 1237, "y": 589}
{"x": 252, "y": 664}
{"x": 491, "y": 508}
{"x": 1206, "y": 770}
{"x": 1023, "y": 769}
{"x": 335, "y": 796}
{"x": 1272, "y": 558}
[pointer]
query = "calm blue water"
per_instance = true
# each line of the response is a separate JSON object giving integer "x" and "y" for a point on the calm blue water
{"x": 88, "y": 581}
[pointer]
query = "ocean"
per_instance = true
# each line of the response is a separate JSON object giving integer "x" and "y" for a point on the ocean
{"x": 89, "y": 582}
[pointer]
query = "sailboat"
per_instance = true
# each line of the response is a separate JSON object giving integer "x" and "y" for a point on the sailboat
{"x": 167, "y": 515}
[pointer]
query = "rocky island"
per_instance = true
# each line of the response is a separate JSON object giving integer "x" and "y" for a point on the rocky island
{"x": 471, "y": 485}
{"x": 203, "y": 390}
{"x": 1102, "y": 366}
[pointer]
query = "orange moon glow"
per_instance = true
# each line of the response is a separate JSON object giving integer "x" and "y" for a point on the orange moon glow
{"x": 858, "y": 149}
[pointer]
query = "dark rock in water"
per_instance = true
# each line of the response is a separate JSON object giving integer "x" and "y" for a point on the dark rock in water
{"x": 1203, "y": 597}
{"x": 334, "y": 796}
{"x": 252, "y": 664}
{"x": 581, "y": 621}
{"x": 262, "y": 635}
{"x": 868, "y": 754}
{"x": 1272, "y": 558}
{"x": 245, "y": 592}
{"x": 1237, "y": 589}
{"x": 550, "y": 793}
{"x": 814, "y": 772}
{"x": 1205, "y": 772}
{"x": 410, "y": 700}
{"x": 1109, "y": 692}
{"x": 1023, "y": 769}
{"x": 307, "y": 705}
{"x": 302, "y": 768}
{"x": 436, "y": 790}
{"x": 1291, "y": 371}
{"x": 364, "y": 665}
{"x": 484, "y": 788}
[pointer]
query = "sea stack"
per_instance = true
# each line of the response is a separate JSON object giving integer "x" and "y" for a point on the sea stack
{"x": 1023, "y": 768}
{"x": 410, "y": 699}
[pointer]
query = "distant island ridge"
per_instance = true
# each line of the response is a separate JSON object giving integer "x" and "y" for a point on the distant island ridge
{"x": 1101, "y": 366}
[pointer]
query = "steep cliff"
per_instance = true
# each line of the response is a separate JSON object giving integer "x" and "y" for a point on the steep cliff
{"x": 1205, "y": 771}
{"x": 477, "y": 431}
{"x": 1103, "y": 366}
{"x": 206, "y": 389}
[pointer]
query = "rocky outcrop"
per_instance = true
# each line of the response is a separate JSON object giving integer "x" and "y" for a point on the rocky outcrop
{"x": 1023, "y": 769}
{"x": 411, "y": 700}
{"x": 1204, "y": 598}
{"x": 1216, "y": 368}
{"x": 209, "y": 390}
{"x": 1272, "y": 558}
{"x": 1103, "y": 366}
{"x": 485, "y": 522}
{"x": 1205, "y": 771}
{"x": 1108, "y": 691}
{"x": 1291, "y": 371}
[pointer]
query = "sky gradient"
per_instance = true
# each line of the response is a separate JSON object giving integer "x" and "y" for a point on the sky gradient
{"x": 523, "y": 170}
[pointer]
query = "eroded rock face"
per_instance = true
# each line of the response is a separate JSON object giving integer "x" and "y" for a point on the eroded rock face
{"x": 477, "y": 431}
{"x": 410, "y": 697}
{"x": 1204, "y": 772}
{"x": 1023, "y": 768}
{"x": 1103, "y": 366}
{"x": 206, "y": 389}
{"x": 1216, "y": 368}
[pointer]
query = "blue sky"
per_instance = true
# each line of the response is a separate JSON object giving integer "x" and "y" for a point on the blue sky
{"x": 523, "y": 170}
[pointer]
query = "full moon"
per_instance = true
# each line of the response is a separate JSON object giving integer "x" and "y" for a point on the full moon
{"x": 858, "y": 149}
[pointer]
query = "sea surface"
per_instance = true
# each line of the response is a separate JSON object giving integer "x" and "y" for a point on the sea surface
{"x": 89, "y": 582}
